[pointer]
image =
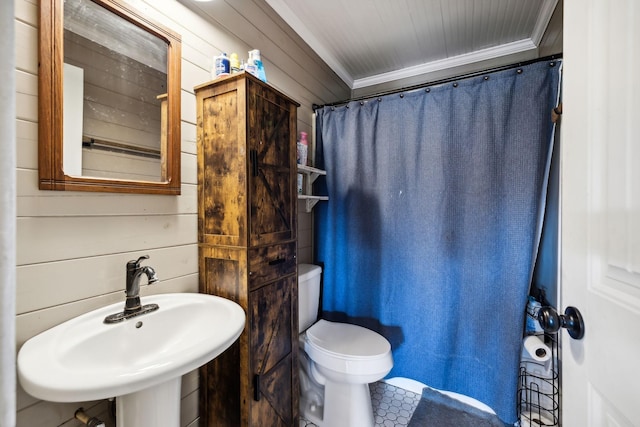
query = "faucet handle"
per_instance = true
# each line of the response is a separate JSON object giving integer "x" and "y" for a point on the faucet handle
{"x": 135, "y": 264}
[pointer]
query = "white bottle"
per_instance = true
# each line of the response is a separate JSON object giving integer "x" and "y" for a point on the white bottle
{"x": 251, "y": 67}
{"x": 221, "y": 66}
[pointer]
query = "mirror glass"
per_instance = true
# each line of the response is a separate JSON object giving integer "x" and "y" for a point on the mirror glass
{"x": 118, "y": 72}
{"x": 116, "y": 125}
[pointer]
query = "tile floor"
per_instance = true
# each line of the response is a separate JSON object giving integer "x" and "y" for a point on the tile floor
{"x": 392, "y": 406}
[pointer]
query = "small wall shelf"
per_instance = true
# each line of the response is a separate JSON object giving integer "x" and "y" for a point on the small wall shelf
{"x": 307, "y": 188}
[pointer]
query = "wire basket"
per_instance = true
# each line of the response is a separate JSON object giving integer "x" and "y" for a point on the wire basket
{"x": 539, "y": 390}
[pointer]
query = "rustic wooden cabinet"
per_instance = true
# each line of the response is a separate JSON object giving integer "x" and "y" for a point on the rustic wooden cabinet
{"x": 247, "y": 223}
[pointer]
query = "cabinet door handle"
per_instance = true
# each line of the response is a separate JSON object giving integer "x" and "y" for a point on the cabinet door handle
{"x": 254, "y": 162}
{"x": 277, "y": 261}
{"x": 256, "y": 387}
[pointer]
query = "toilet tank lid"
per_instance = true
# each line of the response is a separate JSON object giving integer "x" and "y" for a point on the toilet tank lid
{"x": 307, "y": 271}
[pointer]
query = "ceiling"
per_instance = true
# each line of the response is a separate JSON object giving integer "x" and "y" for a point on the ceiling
{"x": 374, "y": 42}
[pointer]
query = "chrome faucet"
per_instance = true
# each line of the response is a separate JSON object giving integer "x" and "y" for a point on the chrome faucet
{"x": 132, "y": 306}
{"x": 134, "y": 272}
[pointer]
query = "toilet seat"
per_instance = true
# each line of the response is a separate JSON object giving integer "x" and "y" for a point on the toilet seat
{"x": 348, "y": 349}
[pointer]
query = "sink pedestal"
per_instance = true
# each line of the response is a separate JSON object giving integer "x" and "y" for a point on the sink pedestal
{"x": 157, "y": 406}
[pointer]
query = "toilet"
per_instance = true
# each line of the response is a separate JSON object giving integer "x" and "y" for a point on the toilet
{"x": 337, "y": 362}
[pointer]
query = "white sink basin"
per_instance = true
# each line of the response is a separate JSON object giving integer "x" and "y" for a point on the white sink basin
{"x": 85, "y": 359}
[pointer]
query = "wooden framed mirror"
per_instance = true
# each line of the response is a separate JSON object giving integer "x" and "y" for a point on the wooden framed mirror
{"x": 109, "y": 99}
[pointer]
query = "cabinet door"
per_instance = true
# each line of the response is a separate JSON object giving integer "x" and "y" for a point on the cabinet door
{"x": 272, "y": 141}
{"x": 225, "y": 379}
{"x": 273, "y": 360}
{"x": 222, "y": 164}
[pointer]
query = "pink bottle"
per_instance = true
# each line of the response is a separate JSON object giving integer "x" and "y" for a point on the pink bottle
{"x": 303, "y": 148}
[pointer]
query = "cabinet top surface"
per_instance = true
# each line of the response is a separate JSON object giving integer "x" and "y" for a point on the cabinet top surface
{"x": 243, "y": 75}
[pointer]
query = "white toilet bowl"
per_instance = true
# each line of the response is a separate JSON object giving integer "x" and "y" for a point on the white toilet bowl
{"x": 337, "y": 362}
{"x": 343, "y": 359}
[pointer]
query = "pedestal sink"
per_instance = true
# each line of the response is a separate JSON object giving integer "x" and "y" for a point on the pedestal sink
{"x": 140, "y": 361}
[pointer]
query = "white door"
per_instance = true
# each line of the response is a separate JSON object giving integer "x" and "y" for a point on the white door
{"x": 600, "y": 248}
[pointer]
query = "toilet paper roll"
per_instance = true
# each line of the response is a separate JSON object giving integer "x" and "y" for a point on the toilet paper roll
{"x": 536, "y": 349}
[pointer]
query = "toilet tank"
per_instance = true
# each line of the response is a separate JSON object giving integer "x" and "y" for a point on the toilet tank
{"x": 308, "y": 295}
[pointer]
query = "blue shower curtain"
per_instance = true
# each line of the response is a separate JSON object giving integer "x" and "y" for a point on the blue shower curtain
{"x": 431, "y": 230}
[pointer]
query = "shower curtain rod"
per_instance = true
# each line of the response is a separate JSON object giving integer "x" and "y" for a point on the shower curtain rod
{"x": 438, "y": 82}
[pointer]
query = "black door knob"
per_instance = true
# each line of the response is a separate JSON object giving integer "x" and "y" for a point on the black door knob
{"x": 551, "y": 321}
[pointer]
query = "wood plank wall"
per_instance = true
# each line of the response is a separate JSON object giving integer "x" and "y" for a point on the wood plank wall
{"x": 72, "y": 247}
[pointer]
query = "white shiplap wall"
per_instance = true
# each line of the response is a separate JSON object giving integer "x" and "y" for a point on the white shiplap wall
{"x": 72, "y": 247}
